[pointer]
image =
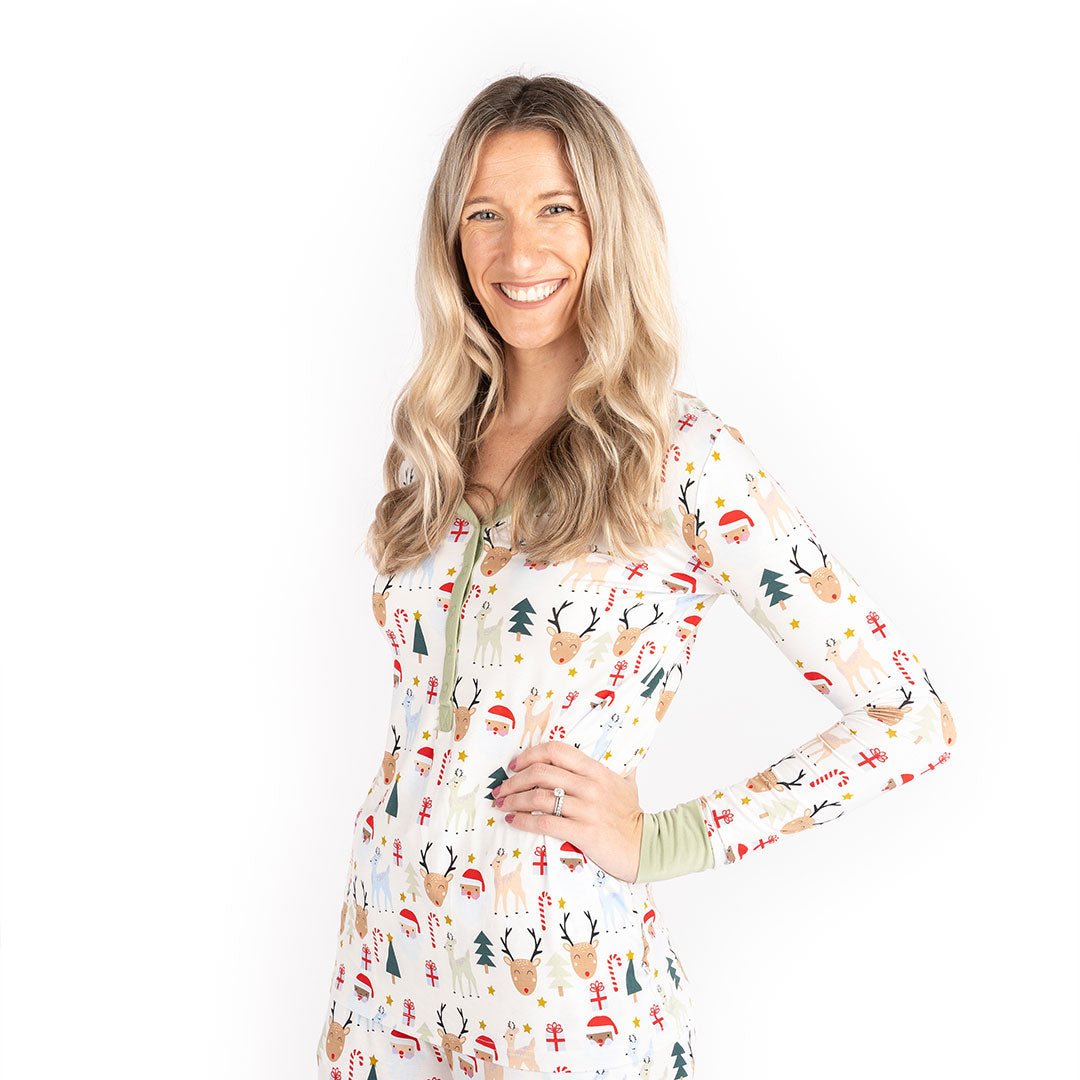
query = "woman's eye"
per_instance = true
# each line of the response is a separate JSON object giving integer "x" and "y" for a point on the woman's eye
{"x": 558, "y": 206}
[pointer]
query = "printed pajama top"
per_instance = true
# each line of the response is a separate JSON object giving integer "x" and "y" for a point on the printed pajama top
{"x": 466, "y": 939}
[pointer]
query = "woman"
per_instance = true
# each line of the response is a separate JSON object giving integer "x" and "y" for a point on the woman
{"x": 559, "y": 520}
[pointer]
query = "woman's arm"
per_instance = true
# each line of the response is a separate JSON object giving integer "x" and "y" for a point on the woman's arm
{"x": 752, "y": 542}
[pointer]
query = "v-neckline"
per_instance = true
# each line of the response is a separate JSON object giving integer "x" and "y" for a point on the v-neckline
{"x": 465, "y": 510}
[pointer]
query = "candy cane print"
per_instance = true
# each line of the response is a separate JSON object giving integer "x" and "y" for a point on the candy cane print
{"x": 545, "y": 902}
{"x": 445, "y": 759}
{"x": 397, "y": 622}
{"x": 557, "y": 732}
{"x": 432, "y": 922}
{"x": 903, "y": 670}
{"x": 673, "y": 451}
{"x": 651, "y": 646}
{"x": 474, "y": 590}
{"x": 377, "y": 936}
{"x": 611, "y": 967}
{"x": 841, "y": 782}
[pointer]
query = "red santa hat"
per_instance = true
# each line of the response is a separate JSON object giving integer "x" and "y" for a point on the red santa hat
{"x": 473, "y": 875}
{"x": 403, "y": 1036}
{"x": 487, "y": 1043}
{"x": 361, "y": 983}
{"x": 735, "y": 519}
{"x": 427, "y": 752}
{"x": 818, "y": 680}
{"x": 600, "y": 1028}
{"x": 409, "y": 920}
{"x": 502, "y": 712}
{"x": 369, "y": 827}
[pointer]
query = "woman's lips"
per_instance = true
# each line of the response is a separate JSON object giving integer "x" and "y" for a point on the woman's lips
{"x": 529, "y": 303}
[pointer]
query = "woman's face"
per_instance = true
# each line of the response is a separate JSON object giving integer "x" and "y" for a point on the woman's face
{"x": 523, "y": 227}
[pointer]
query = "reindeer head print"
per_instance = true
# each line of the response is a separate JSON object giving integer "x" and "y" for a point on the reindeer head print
{"x": 389, "y": 762}
{"x": 692, "y": 528}
{"x": 628, "y": 635}
{"x": 360, "y": 914}
{"x": 823, "y": 580}
{"x": 565, "y": 644}
{"x": 495, "y": 556}
{"x": 452, "y": 1044}
{"x": 522, "y": 971}
{"x": 435, "y": 885}
{"x": 463, "y": 714}
{"x": 582, "y": 953}
{"x": 378, "y": 602}
{"x": 335, "y": 1036}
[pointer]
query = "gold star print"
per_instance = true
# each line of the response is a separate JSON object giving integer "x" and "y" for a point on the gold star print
{"x": 690, "y": 466}
{"x": 403, "y": 898}
{"x": 746, "y": 800}
{"x": 492, "y": 588}
{"x": 471, "y": 857}
{"x": 526, "y": 1028}
{"x": 550, "y": 692}
{"x": 518, "y": 658}
{"x": 374, "y": 1061}
{"x": 794, "y": 624}
{"x": 630, "y": 955}
{"x": 384, "y": 841}
{"x": 491, "y": 821}
{"x": 416, "y": 680}
{"x": 849, "y": 633}
{"x": 572, "y": 671}
{"x": 891, "y": 732}
{"x": 517, "y": 853}
{"x": 799, "y": 664}
{"x": 427, "y": 734}
{"x": 637, "y": 1022}
{"x": 389, "y": 937}
{"x": 607, "y": 755}
{"x": 851, "y": 598}
{"x": 416, "y": 615}
{"x": 462, "y": 755}
{"x": 848, "y": 795}
{"x": 389, "y": 999}
{"x": 725, "y": 575}
{"x": 446, "y": 917}
{"x": 562, "y": 902}
{"x": 541, "y": 1002}
{"x": 491, "y": 990}
{"x": 699, "y": 605}
{"x": 498, "y": 695}
{"x": 452, "y": 571}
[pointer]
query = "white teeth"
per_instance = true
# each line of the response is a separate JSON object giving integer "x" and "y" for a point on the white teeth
{"x": 533, "y": 292}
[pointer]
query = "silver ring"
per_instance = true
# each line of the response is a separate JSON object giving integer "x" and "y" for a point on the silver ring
{"x": 559, "y": 793}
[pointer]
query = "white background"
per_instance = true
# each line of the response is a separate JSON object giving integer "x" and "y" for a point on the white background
{"x": 209, "y": 239}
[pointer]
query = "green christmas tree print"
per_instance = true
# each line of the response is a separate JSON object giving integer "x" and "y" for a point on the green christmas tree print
{"x": 680, "y": 1062}
{"x": 775, "y": 588}
{"x": 412, "y": 881}
{"x": 633, "y": 987}
{"x": 391, "y": 803}
{"x": 519, "y": 622}
{"x": 391, "y": 961}
{"x": 672, "y": 972}
{"x": 484, "y": 958}
{"x": 419, "y": 644}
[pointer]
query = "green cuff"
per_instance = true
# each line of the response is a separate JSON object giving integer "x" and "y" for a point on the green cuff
{"x": 674, "y": 842}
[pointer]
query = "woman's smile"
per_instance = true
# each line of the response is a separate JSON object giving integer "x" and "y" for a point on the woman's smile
{"x": 528, "y": 296}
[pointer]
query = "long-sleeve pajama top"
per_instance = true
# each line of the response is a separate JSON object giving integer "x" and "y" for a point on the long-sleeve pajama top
{"x": 473, "y": 942}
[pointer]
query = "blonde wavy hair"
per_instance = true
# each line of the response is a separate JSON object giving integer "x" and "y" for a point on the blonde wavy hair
{"x": 593, "y": 477}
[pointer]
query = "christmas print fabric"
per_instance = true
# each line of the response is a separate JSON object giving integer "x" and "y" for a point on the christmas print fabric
{"x": 465, "y": 939}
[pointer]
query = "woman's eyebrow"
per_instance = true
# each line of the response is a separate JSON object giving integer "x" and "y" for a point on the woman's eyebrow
{"x": 542, "y": 195}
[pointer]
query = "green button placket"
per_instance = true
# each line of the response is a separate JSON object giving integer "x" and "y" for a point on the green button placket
{"x": 473, "y": 556}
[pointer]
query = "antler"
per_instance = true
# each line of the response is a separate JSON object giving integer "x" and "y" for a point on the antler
{"x": 423, "y": 857}
{"x": 506, "y": 943}
{"x": 439, "y": 1022}
{"x": 684, "y": 491}
{"x": 565, "y": 932}
{"x": 536, "y": 942}
{"x": 464, "y": 1023}
{"x": 453, "y": 860}
{"x": 795, "y": 562}
{"x": 397, "y": 740}
{"x": 593, "y": 936}
{"x": 656, "y": 616}
{"x": 476, "y": 695}
{"x": 595, "y": 619}
{"x": 555, "y": 613}
{"x": 625, "y": 620}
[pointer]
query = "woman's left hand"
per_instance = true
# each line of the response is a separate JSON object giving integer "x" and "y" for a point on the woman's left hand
{"x": 600, "y": 811}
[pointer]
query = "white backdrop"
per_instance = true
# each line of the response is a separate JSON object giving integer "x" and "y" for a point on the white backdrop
{"x": 209, "y": 240}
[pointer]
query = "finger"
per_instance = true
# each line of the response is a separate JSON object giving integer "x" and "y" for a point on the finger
{"x": 544, "y": 800}
{"x": 542, "y": 774}
{"x": 548, "y": 824}
{"x": 559, "y": 753}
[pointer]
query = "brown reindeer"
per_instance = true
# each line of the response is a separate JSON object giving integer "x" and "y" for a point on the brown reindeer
{"x": 519, "y": 1057}
{"x": 628, "y": 636}
{"x": 823, "y": 580}
{"x": 772, "y": 506}
{"x": 582, "y": 953}
{"x": 495, "y": 557}
{"x": 507, "y": 883}
{"x": 378, "y": 602}
{"x": 565, "y": 644}
{"x": 807, "y": 819}
{"x": 522, "y": 971}
{"x": 851, "y": 665}
{"x": 435, "y": 885}
{"x": 692, "y": 530}
{"x": 389, "y": 761}
{"x": 666, "y": 695}
{"x": 767, "y": 780}
{"x": 463, "y": 714}
{"x": 948, "y": 728}
{"x": 360, "y": 914}
{"x": 452, "y": 1044}
{"x": 335, "y": 1035}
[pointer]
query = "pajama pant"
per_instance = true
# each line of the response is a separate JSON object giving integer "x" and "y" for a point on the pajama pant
{"x": 371, "y": 1055}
